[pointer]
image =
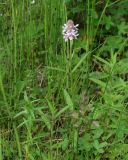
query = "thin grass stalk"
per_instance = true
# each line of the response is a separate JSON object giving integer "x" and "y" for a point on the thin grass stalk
{"x": 1, "y": 156}
{"x": 4, "y": 96}
{"x": 46, "y": 29}
{"x": 101, "y": 16}
{"x": 18, "y": 142}
{"x": 14, "y": 45}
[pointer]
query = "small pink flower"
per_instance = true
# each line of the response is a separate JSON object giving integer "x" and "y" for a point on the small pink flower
{"x": 70, "y": 31}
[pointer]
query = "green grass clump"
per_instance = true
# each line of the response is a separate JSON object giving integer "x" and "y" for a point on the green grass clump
{"x": 63, "y": 100}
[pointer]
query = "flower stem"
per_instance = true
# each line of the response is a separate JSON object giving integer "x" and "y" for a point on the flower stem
{"x": 69, "y": 61}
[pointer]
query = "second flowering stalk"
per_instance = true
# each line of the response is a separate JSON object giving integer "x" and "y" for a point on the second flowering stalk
{"x": 70, "y": 32}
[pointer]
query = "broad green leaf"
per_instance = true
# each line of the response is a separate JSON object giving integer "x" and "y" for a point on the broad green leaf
{"x": 45, "y": 119}
{"x": 51, "y": 108}
{"x": 62, "y": 111}
{"x": 103, "y": 61}
{"x": 99, "y": 82}
{"x": 68, "y": 100}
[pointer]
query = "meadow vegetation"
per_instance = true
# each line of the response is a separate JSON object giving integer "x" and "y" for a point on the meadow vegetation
{"x": 63, "y": 100}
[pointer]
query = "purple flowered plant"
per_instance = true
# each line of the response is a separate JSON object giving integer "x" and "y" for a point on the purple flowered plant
{"x": 70, "y": 31}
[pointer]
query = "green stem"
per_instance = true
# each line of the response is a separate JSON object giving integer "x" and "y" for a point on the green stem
{"x": 69, "y": 61}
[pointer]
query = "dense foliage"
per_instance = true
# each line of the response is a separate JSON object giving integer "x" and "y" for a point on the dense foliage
{"x": 63, "y": 100}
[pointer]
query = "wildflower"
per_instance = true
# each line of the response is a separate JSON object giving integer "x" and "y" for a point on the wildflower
{"x": 70, "y": 31}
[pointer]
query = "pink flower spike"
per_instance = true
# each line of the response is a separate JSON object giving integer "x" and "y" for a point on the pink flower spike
{"x": 70, "y": 31}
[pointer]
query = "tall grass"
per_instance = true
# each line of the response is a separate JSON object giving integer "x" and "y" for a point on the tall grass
{"x": 63, "y": 100}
